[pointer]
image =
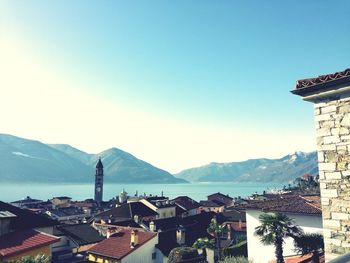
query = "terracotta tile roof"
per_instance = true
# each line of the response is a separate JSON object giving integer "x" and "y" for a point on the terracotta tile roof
{"x": 186, "y": 202}
{"x": 323, "y": 83}
{"x": 118, "y": 245}
{"x": 304, "y": 83}
{"x": 288, "y": 204}
{"x": 19, "y": 242}
{"x": 301, "y": 259}
{"x": 221, "y": 195}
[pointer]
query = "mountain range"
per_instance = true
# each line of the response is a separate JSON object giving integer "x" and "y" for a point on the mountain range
{"x": 24, "y": 160}
{"x": 283, "y": 170}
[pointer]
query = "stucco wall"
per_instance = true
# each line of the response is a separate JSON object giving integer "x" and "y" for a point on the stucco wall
{"x": 45, "y": 250}
{"x": 260, "y": 253}
{"x": 143, "y": 254}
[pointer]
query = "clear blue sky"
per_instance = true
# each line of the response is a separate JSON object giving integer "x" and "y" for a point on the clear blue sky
{"x": 212, "y": 66}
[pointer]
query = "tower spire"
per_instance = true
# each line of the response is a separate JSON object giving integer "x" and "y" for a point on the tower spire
{"x": 99, "y": 182}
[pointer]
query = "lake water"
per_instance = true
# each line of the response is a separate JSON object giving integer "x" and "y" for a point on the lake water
{"x": 197, "y": 191}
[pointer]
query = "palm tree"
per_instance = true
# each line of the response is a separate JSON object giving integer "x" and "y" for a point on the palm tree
{"x": 274, "y": 228}
{"x": 217, "y": 230}
{"x": 310, "y": 243}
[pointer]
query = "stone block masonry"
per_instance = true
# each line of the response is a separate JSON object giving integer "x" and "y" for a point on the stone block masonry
{"x": 333, "y": 147}
{"x": 331, "y": 97}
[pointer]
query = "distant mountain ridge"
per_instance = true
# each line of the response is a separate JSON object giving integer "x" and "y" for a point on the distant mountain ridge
{"x": 282, "y": 170}
{"x": 24, "y": 160}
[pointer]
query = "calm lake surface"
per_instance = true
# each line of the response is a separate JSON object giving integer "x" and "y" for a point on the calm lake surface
{"x": 198, "y": 191}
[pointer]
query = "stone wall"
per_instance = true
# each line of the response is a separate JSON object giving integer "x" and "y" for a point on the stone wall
{"x": 333, "y": 145}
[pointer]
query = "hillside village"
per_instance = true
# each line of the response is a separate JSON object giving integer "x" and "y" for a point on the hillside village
{"x": 146, "y": 228}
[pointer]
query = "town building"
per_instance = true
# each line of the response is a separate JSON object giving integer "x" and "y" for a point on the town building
{"x": 161, "y": 205}
{"x": 135, "y": 211}
{"x": 212, "y": 206}
{"x": 331, "y": 97}
{"x": 27, "y": 202}
{"x": 61, "y": 201}
{"x": 305, "y": 210}
{"x": 182, "y": 231}
{"x": 74, "y": 239}
{"x": 225, "y": 199}
{"x": 190, "y": 206}
{"x": 125, "y": 245}
{"x": 23, "y": 233}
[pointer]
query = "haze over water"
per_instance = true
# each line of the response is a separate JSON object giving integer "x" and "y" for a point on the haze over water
{"x": 197, "y": 191}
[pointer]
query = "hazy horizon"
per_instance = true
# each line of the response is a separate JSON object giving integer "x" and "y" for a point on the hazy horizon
{"x": 177, "y": 84}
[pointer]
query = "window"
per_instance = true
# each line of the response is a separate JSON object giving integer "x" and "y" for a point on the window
{"x": 154, "y": 255}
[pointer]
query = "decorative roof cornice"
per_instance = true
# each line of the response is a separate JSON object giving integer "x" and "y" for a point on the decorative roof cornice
{"x": 304, "y": 83}
{"x": 324, "y": 84}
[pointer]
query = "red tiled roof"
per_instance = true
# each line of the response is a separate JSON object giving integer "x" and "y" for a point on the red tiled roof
{"x": 288, "y": 204}
{"x": 19, "y": 242}
{"x": 304, "y": 83}
{"x": 118, "y": 245}
{"x": 222, "y": 195}
{"x": 301, "y": 259}
{"x": 186, "y": 202}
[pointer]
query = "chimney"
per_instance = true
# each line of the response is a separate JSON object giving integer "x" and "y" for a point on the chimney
{"x": 152, "y": 226}
{"x": 109, "y": 233}
{"x": 229, "y": 236}
{"x": 136, "y": 219}
{"x": 134, "y": 240}
{"x": 180, "y": 235}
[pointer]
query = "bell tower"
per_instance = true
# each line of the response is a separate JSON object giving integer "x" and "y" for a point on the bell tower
{"x": 99, "y": 182}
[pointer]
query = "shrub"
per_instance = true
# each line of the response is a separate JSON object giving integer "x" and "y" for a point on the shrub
{"x": 179, "y": 254}
{"x": 239, "y": 249}
{"x": 235, "y": 260}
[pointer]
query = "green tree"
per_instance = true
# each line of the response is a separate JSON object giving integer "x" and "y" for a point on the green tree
{"x": 217, "y": 231}
{"x": 41, "y": 258}
{"x": 184, "y": 254}
{"x": 234, "y": 260}
{"x": 204, "y": 243}
{"x": 310, "y": 243}
{"x": 274, "y": 228}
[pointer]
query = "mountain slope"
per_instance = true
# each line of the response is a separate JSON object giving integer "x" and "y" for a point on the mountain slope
{"x": 25, "y": 160}
{"x": 120, "y": 166}
{"x": 256, "y": 170}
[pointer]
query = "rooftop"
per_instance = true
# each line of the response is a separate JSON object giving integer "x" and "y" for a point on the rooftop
{"x": 26, "y": 219}
{"x": 127, "y": 211}
{"x": 186, "y": 202}
{"x": 310, "y": 86}
{"x": 19, "y": 242}
{"x": 118, "y": 245}
{"x": 6, "y": 214}
{"x": 213, "y": 203}
{"x": 309, "y": 205}
{"x": 81, "y": 234}
{"x": 222, "y": 195}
